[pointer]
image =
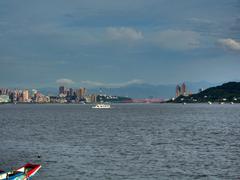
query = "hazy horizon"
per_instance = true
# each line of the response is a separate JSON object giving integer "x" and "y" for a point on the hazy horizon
{"x": 116, "y": 43}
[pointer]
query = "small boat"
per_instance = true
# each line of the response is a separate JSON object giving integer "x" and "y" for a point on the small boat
{"x": 209, "y": 102}
{"x": 23, "y": 173}
{"x": 102, "y": 106}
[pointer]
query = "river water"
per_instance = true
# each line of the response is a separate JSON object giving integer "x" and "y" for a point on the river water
{"x": 129, "y": 141}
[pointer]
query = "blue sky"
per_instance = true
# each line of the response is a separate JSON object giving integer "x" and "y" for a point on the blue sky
{"x": 116, "y": 43}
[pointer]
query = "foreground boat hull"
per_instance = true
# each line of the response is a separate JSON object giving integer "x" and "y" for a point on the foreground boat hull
{"x": 23, "y": 173}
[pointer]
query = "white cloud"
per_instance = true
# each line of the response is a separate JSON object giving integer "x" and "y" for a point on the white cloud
{"x": 123, "y": 33}
{"x": 230, "y": 44}
{"x": 88, "y": 35}
{"x": 176, "y": 39}
{"x": 65, "y": 81}
{"x": 101, "y": 84}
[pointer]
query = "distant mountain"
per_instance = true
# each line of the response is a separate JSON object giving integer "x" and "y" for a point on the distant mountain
{"x": 151, "y": 91}
{"x": 228, "y": 92}
{"x": 51, "y": 91}
{"x": 194, "y": 87}
{"x": 143, "y": 90}
{"x": 140, "y": 91}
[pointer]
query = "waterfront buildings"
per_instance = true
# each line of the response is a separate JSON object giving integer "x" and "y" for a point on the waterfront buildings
{"x": 4, "y": 99}
{"x": 81, "y": 92}
{"x": 93, "y": 98}
{"x": 25, "y": 95}
{"x": 181, "y": 90}
{"x": 65, "y": 95}
{"x": 70, "y": 95}
{"x": 40, "y": 98}
{"x": 70, "y": 92}
{"x": 61, "y": 90}
{"x": 178, "y": 90}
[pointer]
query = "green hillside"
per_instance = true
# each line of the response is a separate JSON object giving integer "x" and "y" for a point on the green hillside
{"x": 228, "y": 92}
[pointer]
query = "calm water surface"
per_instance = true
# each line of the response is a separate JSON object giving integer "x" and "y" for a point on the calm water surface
{"x": 137, "y": 142}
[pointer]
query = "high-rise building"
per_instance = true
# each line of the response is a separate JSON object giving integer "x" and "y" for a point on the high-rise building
{"x": 4, "y": 91}
{"x": 61, "y": 90}
{"x": 183, "y": 89}
{"x": 40, "y": 98}
{"x": 93, "y": 98}
{"x": 25, "y": 95}
{"x": 178, "y": 90}
{"x": 81, "y": 92}
{"x": 4, "y": 99}
{"x": 71, "y": 91}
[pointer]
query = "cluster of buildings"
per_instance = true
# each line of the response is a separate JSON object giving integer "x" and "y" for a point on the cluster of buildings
{"x": 70, "y": 95}
{"x": 22, "y": 96}
{"x": 181, "y": 90}
{"x": 65, "y": 95}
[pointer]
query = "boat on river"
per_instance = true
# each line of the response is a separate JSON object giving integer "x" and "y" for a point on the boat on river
{"x": 23, "y": 173}
{"x": 102, "y": 106}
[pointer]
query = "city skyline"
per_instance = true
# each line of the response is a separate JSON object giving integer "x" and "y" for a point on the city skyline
{"x": 118, "y": 43}
{"x": 137, "y": 91}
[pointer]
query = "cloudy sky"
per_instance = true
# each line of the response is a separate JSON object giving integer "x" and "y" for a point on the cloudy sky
{"x": 111, "y": 42}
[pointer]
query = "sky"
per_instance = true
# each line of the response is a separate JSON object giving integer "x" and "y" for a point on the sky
{"x": 91, "y": 43}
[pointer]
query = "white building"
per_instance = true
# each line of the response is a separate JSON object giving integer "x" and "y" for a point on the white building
{"x": 4, "y": 99}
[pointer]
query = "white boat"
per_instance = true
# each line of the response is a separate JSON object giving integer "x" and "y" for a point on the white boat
{"x": 209, "y": 102}
{"x": 101, "y": 106}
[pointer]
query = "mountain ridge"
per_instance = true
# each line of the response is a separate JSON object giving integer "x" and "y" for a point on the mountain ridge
{"x": 227, "y": 92}
{"x": 143, "y": 90}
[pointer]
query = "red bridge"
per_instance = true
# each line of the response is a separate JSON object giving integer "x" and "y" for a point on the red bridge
{"x": 146, "y": 100}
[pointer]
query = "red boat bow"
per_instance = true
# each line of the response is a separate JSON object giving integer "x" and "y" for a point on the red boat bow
{"x": 29, "y": 169}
